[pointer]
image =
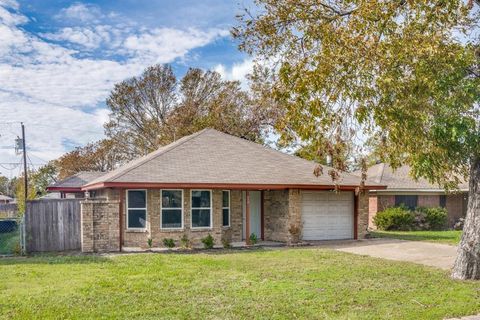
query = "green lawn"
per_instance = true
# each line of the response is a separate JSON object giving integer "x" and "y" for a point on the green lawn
{"x": 9, "y": 242}
{"x": 448, "y": 237}
{"x": 275, "y": 284}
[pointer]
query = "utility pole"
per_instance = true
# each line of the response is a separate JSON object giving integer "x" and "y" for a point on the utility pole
{"x": 25, "y": 174}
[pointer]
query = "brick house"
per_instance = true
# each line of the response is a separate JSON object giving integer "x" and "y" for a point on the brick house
{"x": 218, "y": 184}
{"x": 71, "y": 187}
{"x": 402, "y": 189}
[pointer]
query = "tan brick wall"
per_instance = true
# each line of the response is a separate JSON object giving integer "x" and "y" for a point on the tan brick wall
{"x": 100, "y": 226}
{"x": 154, "y": 231}
{"x": 385, "y": 201}
{"x": 372, "y": 210}
{"x": 428, "y": 201}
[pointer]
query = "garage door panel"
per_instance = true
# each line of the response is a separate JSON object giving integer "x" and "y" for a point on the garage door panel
{"x": 327, "y": 215}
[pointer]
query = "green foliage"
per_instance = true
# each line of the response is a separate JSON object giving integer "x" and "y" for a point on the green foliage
{"x": 393, "y": 71}
{"x": 253, "y": 238}
{"x": 394, "y": 218}
{"x": 435, "y": 218}
{"x": 169, "y": 243}
{"x": 150, "y": 242}
{"x": 208, "y": 242}
{"x": 185, "y": 242}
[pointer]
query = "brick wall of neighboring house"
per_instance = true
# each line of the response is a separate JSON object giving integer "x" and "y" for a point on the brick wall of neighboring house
{"x": 385, "y": 201}
{"x": 428, "y": 201}
{"x": 456, "y": 207}
{"x": 99, "y": 225}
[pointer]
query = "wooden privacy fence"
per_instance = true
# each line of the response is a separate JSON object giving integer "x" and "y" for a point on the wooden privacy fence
{"x": 52, "y": 225}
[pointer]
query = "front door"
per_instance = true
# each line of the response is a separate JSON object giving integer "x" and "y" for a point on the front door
{"x": 255, "y": 213}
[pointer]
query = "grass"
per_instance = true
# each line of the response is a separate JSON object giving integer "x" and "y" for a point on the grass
{"x": 448, "y": 237}
{"x": 9, "y": 242}
{"x": 274, "y": 284}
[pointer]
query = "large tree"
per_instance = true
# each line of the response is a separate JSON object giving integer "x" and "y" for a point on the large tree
{"x": 404, "y": 73}
{"x": 155, "y": 108}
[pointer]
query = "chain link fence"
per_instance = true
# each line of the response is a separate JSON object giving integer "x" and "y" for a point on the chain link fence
{"x": 11, "y": 226}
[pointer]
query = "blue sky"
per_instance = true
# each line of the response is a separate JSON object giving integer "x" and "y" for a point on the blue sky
{"x": 60, "y": 59}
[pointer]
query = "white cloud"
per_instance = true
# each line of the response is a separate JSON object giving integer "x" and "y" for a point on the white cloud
{"x": 237, "y": 72}
{"x": 80, "y": 12}
{"x": 51, "y": 84}
{"x": 165, "y": 44}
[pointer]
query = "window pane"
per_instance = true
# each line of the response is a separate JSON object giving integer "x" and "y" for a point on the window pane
{"x": 200, "y": 218}
{"x": 136, "y": 199}
{"x": 171, "y": 198}
{"x": 136, "y": 218}
{"x": 200, "y": 199}
{"x": 443, "y": 201}
{"x": 226, "y": 218}
{"x": 172, "y": 218}
{"x": 226, "y": 199}
{"x": 410, "y": 201}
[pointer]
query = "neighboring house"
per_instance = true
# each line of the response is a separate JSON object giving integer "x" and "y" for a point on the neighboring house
{"x": 5, "y": 199}
{"x": 218, "y": 184}
{"x": 71, "y": 187}
{"x": 403, "y": 189}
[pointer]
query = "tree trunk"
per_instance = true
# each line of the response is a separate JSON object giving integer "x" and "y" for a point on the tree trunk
{"x": 467, "y": 264}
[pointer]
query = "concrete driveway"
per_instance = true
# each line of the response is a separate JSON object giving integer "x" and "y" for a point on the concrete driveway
{"x": 430, "y": 254}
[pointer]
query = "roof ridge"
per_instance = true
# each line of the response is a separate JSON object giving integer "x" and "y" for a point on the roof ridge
{"x": 282, "y": 153}
{"x": 154, "y": 154}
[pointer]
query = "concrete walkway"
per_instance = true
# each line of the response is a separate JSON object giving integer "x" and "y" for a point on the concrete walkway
{"x": 426, "y": 253}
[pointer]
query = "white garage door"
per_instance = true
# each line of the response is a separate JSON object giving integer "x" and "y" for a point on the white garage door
{"x": 327, "y": 215}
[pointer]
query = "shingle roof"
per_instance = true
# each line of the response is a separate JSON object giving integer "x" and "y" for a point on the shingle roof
{"x": 213, "y": 157}
{"x": 4, "y": 197}
{"x": 77, "y": 180}
{"x": 400, "y": 178}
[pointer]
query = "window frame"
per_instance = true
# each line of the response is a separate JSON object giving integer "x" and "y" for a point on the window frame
{"x": 210, "y": 208}
{"x": 414, "y": 196}
{"x": 127, "y": 208}
{"x": 229, "y": 209}
{"x": 161, "y": 209}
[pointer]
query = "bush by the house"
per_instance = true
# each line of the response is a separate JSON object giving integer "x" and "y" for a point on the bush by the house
{"x": 395, "y": 218}
{"x": 208, "y": 242}
{"x": 459, "y": 224}
{"x": 433, "y": 218}
{"x": 253, "y": 238}
{"x": 169, "y": 243}
{"x": 185, "y": 242}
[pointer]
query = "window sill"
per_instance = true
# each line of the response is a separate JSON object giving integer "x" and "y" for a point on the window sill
{"x": 201, "y": 229}
{"x": 226, "y": 227}
{"x": 172, "y": 229}
{"x": 136, "y": 230}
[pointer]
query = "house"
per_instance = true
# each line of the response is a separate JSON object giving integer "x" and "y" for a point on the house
{"x": 71, "y": 187}
{"x": 402, "y": 189}
{"x": 5, "y": 199}
{"x": 214, "y": 183}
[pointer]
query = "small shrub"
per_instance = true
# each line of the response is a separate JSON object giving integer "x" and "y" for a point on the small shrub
{"x": 435, "y": 218}
{"x": 208, "y": 242}
{"x": 185, "y": 242}
{"x": 395, "y": 218}
{"x": 169, "y": 243}
{"x": 459, "y": 224}
{"x": 226, "y": 243}
{"x": 253, "y": 238}
{"x": 150, "y": 242}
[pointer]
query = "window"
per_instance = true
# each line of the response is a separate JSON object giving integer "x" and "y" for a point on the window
{"x": 409, "y": 201}
{"x": 443, "y": 200}
{"x": 201, "y": 209}
{"x": 172, "y": 209}
{"x": 136, "y": 209}
{"x": 226, "y": 208}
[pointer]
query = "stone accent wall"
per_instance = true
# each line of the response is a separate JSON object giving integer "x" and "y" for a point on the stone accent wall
{"x": 428, "y": 201}
{"x": 276, "y": 215}
{"x": 100, "y": 226}
{"x": 372, "y": 210}
{"x": 363, "y": 214}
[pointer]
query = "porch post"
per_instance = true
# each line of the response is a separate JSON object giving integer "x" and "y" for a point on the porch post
{"x": 355, "y": 216}
{"x": 120, "y": 218}
{"x": 262, "y": 216}
{"x": 247, "y": 217}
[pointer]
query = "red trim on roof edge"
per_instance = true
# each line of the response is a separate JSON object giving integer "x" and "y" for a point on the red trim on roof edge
{"x": 240, "y": 186}
{"x": 65, "y": 189}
